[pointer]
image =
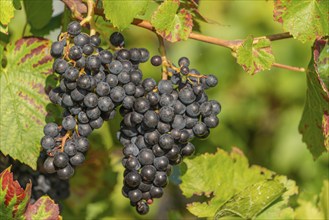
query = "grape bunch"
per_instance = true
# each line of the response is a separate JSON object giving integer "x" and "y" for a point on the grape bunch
{"x": 93, "y": 82}
{"x": 159, "y": 119}
{"x": 158, "y": 126}
{"x": 42, "y": 183}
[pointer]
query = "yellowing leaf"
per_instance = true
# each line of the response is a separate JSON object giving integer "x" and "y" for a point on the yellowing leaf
{"x": 24, "y": 82}
{"x": 7, "y": 11}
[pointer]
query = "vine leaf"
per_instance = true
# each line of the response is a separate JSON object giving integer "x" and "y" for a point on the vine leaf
{"x": 122, "y": 12}
{"x": 171, "y": 25}
{"x": 7, "y": 13}
{"x": 38, "y": 13}
{"x": 14, "y": 201}
{"x": 252, "y": 200}
{"x": 24, "y": 82}
{"x": 223, "y": 177}
{"x": 314, "y": 124}
{"x": 305, "y": 20}
{"x": 43, "y": 208}
{"x": 255, "y": 56}
{"x": 13, "y": 198}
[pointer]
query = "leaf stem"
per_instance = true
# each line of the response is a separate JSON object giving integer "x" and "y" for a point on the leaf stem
{"x": 292, "y": 68}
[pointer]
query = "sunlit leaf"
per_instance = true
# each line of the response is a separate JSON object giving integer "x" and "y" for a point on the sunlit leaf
{"x": 255, "y": 56}
{"x": 252, "y": 200}
{"x": 171, "y": 24}
{"x": 305, "y": 20}
{"x": 222, "y": 177}
{"x": 122, "y": 12}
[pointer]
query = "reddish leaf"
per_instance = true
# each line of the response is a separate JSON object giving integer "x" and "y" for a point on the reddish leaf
{"x": 44, "y": 208}
{"x": 13, "y": 198}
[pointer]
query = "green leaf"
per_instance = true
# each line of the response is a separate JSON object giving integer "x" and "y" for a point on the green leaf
{"x": 255, "y": 56}
{"x": 7, "y": 11}
{"x": 54, "y": 23}
{"x": 251, "y": 200}
{"x": 281, "y": 209}
{"x": 323, "y": 65}
{"x": 305, "y": 20}
{"x": 43, "y": 208}
{"x": 324, "y": 199}
{"x": 314, "y": 124}
{"x": 23, "y": 85}
{"x": 219, "y": 177}
{"x": 171, "y": 25}
{"x": 122, "y": 12}
{"x": 38, "y": 13}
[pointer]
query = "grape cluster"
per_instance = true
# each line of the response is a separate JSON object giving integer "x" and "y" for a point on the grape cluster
{"x": 157, "y": 128}
{"x": 93, "y": 81}
{"x": 159, "y": 119}
{"x": 42, "y": 183}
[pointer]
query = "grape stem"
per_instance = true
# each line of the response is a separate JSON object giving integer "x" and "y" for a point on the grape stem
{"x": 78, "y": 8}
{"x": 90, "y": 17}
{"x": 162, "y": 51}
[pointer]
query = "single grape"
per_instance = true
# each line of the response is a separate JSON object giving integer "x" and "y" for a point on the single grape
{"x": 96, "y": 123}
{"x": 90, "y": 100}
{"x": 183, "y": 61}
{"x": 166, "y": 141}
{"x": 77, "y": 159}
{"x": 156, "y": 60}
{"x": 132, "y": 179}
{"x": 51, "y": 129}
{"x": 49, "y": 165}
{"x": 105, "y": 56}
{"x": 93, "y": 62}
{"x": 66, "y": 172}
{"x": 95, "y": 40}
{"x": 61, "y": 159}
{"x": 82, "y": 144}
{"x": 117, "y": 94}
{"x": 165, "y": 86}
{"x": 161, "y": 163}
{"x": 74, "y": 28}
{"x": 115, "y": 67}
{"x": 145, "y": 157}
{"x": 57, "y": 49}
{"x": 135, "y": 195}
{"x": 117, "y": 39}
{"x": 148, "y": 173}
{"x": 142, "y": 208}
{"x": 81, "y": 39}
{"x": 75, "y": 53}
{"x": 47, "y": 142}
{"x": 149, "y": 84}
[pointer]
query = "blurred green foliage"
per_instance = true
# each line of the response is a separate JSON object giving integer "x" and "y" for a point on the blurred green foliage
{"x": 260, "y": 113}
